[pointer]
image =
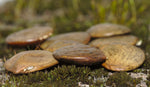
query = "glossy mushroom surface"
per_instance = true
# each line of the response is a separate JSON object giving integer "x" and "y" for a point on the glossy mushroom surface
{"x": 60, "y": 43}
{"x": 30, "y": 61}
{"x": 29, "y": 36}
{"x": 126, "y": 39}
{"x": 79, "y": 54}
{"x": 122, "y": 57}
{"x": 107, "y": 29}
{"x": 82, "y": 37}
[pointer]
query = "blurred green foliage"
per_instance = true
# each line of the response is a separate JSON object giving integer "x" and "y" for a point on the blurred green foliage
{"x": 67, "y": 16}
{"x": 73, "y": 15}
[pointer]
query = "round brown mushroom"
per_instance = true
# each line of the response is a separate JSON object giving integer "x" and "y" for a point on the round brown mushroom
{"x": 107, "y": 29}
{"x": 82, "y": 37}
{"x": 126, "y": 39}
{"x": 29, "y": 36}
{"x": 30, "y": 61}
{"x": 122, "y": 57}
{"x": 60, "y": 43}
{"x": 79, "y": 54}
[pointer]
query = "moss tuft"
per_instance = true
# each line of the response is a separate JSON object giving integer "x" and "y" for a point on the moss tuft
{"x": 122, "y": 79}
{"x": 148, "y": 80}
{"x": 70, "y": 75}
{"x": 146, "y": 64}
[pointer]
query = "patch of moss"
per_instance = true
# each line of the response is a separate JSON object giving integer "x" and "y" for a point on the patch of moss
{"x": 122, "y": 79}
{"x": 148, "y": 80}
{"x": 137, "y": 70}
{"x": 75, "y": 17}
{"x": 146, "y": 64}
{"x": 68, "y": 75}
{"x": 98, "y": 77}
{"x": 37, "y": 79}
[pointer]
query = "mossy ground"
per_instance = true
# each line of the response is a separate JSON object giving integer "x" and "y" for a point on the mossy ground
{"x": 67, "y": 16}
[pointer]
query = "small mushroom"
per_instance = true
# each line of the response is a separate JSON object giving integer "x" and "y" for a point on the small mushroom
{"x": 79, "y": 54}
{"x": 60, "y": 43}
{"x": 122, "y": 57}
{"x": 126, "y": 39}
{"x": 29, "y": 36}
{"x": 82, "y": 37}
{"x": 107, "y": 29}
{"x": 30, "y": 61}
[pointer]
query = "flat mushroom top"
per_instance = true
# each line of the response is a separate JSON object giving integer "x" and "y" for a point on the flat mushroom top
{"x": 82, "y": 37}
{"x": 79, "y": 54}
{"x": 29, "y": 36}
{"x": 122, "y": 57}
{"x": 126, "y": 39}
{"x": 60, "y": 43}
{"x": 107, "y": 29}
{"x": 30, "y": 61}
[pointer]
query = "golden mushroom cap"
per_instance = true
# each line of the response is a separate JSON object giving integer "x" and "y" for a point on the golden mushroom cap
{"x": 125, "y": 39}
{"x": 82, "y": 37}
{"x": 61, "y": 43}
{"x": 122, "y": 57}
{"x": 29, "y": 36}
{"x": 79, "y": 54}
{"x": 30, "y": 61}
{"x": 107, "y": 29}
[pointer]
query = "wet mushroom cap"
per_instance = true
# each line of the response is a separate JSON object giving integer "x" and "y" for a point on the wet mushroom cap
{"x": 79, "y": 54}
{"x": 61, "y": 43}
{"x": 126, "y": 39}
{"x": 29, "y": 36}
{"x": 30, "y": 61}
{"x": 122, "y": 57}
{"x": 82, "y": 37}
{"x": 107, "y": 29}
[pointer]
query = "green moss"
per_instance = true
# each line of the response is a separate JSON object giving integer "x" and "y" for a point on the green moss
{"x": 148, "y": 80}
{"x": 68, "y": 75}
{"x": 146, "y": 63}
{"x": 98, "y": 77}
{"x": 74, "y": 15}
{"x": 36, "y": 79}
{"x": 122, "y": 79}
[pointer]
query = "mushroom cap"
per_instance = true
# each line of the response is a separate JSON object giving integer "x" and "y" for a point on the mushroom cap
{"x": 122, "y": 57}
{"x": 61, "y": 43}
{"x": 29, "y": 36}
{"x": 79, "y": 54}
{"x": 82, "y": 37}
{"x": 107, "y": 29}
{"x": 30, "y": 61}
{"x": 126, "y": 39}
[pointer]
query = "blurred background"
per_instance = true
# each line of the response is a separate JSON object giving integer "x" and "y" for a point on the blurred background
{"x": 72, "y": 15}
